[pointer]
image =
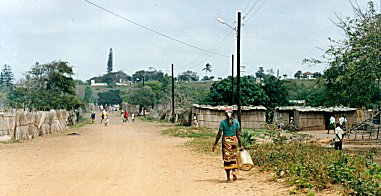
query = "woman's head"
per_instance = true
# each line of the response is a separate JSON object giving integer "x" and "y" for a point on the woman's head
{"x": 229, "y": 115}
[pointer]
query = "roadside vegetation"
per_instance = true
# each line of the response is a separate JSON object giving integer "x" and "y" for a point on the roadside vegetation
{"x": 308, "y": 167}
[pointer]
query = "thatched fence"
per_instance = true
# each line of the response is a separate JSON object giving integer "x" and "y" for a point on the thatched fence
{"x": 252, "y": 117}
{"x": 24, "y": 125}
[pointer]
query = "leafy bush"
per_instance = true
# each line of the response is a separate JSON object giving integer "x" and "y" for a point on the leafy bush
{"x": 312, "y": 166}
{"x": 247, "y": 138}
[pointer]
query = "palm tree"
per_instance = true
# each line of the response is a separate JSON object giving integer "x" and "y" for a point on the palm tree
{"x": 208, "y": 68}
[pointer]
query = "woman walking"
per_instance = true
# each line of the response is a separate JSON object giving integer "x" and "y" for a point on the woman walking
{"x": 230, "y": 129}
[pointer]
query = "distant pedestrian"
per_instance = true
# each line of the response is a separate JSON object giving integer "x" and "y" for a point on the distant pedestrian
{"x": 103, "y": 115}
{"x": 125, "y": 117}
{"x": 195, "y": 122}
{"x": 343, "y": 123}
{"x": 343, "y": 120}
{"x": 92, "y": 116}
{"x": 339, "y": 133}
{"x": 331, "y": 125}
{"x": 291, "y": 121}
{"x": 107, "y": 119}
{"x": 133, "y": 117}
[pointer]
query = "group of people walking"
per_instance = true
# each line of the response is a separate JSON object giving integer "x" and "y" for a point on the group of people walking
{"x": 106, "y": 119}
{"x": 125, "y": 116}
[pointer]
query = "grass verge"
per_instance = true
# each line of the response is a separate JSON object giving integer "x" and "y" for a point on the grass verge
{"x": 309, "y": 167}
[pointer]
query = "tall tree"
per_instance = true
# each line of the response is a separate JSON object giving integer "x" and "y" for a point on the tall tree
{"x": 46, "y": 86}
{"x": 109, "y": 97}
{"x": 88, "y": 97}
{"x": 276, "y": 92}
{"x": 109, "y": 63}
{"x": 208, "y": 68}
{"x": 298, "y": 74}
{"x": 142, "y": 96}
{"x": 352, "y": 78}
{"x": 188, "y": 76}
{"x": 6, "y": 76}
{"x": 251, "y": 93}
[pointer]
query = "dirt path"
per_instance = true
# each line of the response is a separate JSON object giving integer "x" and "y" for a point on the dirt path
{"x": 120, "y": 159}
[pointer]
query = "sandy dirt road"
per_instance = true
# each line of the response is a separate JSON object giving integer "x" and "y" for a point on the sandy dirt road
{"x": 120, "y": 159}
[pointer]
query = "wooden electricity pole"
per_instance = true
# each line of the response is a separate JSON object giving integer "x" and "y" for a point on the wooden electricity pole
{"x": 239, "y": 66}
{"x": 173, "y": 97}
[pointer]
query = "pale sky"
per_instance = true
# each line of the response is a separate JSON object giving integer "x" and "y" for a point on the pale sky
{"x": 277, "y": 35}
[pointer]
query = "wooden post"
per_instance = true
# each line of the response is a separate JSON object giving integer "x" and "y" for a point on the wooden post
{"x": 239, "y": 67}
{"x": 173, "y": 97}
{"x": 379, "y": 123}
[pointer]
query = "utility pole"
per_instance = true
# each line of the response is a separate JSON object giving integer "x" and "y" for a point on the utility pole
{"x": 232, "y": 103}
{"x": 239, "y": 67}
{"x": 173, "y": 97}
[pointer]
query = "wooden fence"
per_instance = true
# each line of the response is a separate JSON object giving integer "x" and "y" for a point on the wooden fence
{"x": 23, "y": 125}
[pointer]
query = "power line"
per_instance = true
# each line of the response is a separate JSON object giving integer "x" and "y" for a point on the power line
{"x": 248, "y": 3}
{"x": 252, "y": 7}
{"x": 154, "y": 31}
{"x": 256, "y": 11}
{"x": 218, "y": 44}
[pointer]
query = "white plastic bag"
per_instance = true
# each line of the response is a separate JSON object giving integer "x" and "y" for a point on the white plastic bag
{"x": 245, "y": 162}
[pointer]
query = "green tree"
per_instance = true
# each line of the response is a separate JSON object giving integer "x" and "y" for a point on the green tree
{"x": 317, "y": 75}
{"x": 139, "y": 76}
{"x": 6, "y": 76}
{"x": 109, "y": 62}
{"x": 251, "y": 93}
{"x": 143, "y": 96}
{"x": 151, "y": 74}
{"x": 260, "y": 73}
{"x": 208, "y": 68}
{"x": 88, "y": 97}
{"x": 276, "y": 91}
{"x": 188, "y": 76}
{"x": 46, "y": 86}
{"x": 109, "y": 97}
{"x": 111, "y": 78}
{"x": 352, "y": 78}
{"x": 298, "y": 74}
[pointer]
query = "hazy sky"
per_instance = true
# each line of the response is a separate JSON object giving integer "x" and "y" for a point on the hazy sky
{"x": 278, "y": 35}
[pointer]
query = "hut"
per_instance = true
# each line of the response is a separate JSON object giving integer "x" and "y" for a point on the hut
{"x": 313, "y": 118}
{"x": 252, "y": 117}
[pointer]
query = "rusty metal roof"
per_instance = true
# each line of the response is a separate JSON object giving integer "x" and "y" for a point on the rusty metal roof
{"x": 316, "y": 109}
{"x": 234, "y": 107}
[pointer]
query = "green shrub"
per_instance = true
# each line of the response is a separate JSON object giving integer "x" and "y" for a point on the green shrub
{"x": 247, "y": 138}
{"x": 312, "y": 166}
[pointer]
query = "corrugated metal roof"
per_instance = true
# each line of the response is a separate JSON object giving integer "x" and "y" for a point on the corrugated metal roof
{"x": 316, "y": 109}
{"x": 235, "y": 107}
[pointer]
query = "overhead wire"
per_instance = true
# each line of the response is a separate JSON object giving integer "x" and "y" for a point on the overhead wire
{"x": 252, "y": 7}
{"x": 247, "y": 5}
{"x": 218, "y": 44}
{"x": 207, "y": 57}
{"x": 247, "y": 18}
{"x": 154, "y": 31}
{"x": 196, "y": 62}
{"x": 256, "y": 11}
